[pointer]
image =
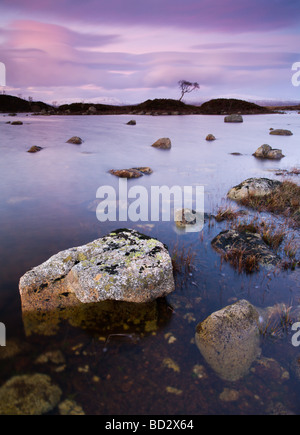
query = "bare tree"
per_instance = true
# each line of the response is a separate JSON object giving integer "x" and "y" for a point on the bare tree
{"x": 187, "y": 87}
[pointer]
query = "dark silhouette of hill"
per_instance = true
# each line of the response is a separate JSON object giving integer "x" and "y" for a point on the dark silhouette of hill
{"x": 222, "y": 106}
{"x": 10, "y": 104}
{"x": 230, "y": 106}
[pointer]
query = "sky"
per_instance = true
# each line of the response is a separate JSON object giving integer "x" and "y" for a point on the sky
{"x": 128, "y": 51}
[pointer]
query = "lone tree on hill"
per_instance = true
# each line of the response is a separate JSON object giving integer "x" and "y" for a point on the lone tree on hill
{"x": 187, "y": 87}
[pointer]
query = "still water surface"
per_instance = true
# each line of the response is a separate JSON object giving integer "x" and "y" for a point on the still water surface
{"x": 47, "y": 204}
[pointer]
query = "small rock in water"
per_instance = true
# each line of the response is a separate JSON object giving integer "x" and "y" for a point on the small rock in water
{"x": 34, "y": 149}
{"x": 210, "y": 137}
{"x": 126, "y": 173}
{"x": 267, "y": 152}
{"x": 162, "y": 144}
{"x": 234, "y": 118}
{"x": 144, "y": 170}
{"x": 75, "y": 140}
{"x": 132, "y": 122}
{"x": 281, "y": 132}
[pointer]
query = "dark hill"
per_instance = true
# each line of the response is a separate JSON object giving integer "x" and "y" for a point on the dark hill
{"x": 150, "y": 107}
{"x": 10, "y": 104}
{"x": 222, "y": 106}
{"x": 162, "y": 105}
{"x": 84, "y": 108}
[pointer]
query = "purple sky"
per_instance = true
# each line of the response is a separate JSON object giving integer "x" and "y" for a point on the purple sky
{"x": 119, "y": 51}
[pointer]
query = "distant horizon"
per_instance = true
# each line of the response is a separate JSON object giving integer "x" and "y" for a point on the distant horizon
{"x": 262, "y": 103}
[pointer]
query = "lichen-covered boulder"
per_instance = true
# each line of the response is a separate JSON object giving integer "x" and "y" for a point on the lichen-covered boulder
{"x": 259, "y": 187}
{"x": 229, "y": 340}
{"x": 123, "y": 266}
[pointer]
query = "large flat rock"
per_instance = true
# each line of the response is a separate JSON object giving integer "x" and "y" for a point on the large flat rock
{"x": 123, "y": 266}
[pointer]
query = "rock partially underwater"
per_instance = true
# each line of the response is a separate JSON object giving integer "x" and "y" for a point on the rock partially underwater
{"x": 229, "y": 340}
{"x": 89, "y": 282}
{"x": 258, "y": 187}
{"x": 239, "y": 247}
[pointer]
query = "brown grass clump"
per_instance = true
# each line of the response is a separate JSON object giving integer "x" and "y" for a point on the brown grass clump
{"x": 227, "y": 213}
{"x": 182, "y": 260}
{"x": 285, "y": 200}
{"x": 242, "y": 260}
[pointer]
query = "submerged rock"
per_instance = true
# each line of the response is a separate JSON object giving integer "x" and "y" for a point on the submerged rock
{"x": 253, "y": 187}
{"x": 229, "y": 340}
{"x": 163, "y": 143}
{"x": 280, "y": 132}
{"x": 132, "y": 122}
{"x": 29, "y": 395}
{"x": 123, "y": 266}
{"x": 233, "y": 118}
{"x": 189, "y": 220}
{"x": 267, "y": 152}
{"x": 16, "y": 123}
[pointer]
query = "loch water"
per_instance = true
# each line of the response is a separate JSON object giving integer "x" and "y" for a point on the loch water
{"x": 48, "y": 204}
